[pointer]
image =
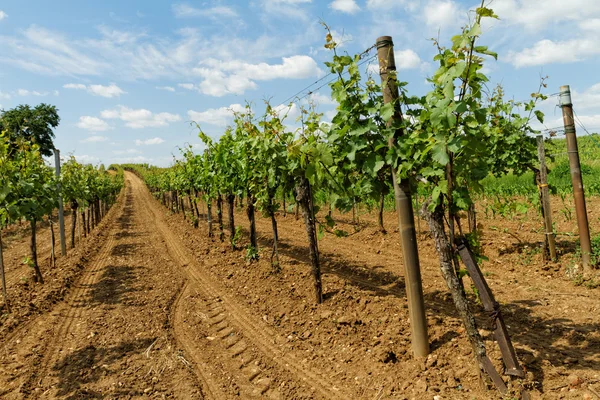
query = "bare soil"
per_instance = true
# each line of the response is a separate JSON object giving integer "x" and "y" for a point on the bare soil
{"x": 149, "y": 307}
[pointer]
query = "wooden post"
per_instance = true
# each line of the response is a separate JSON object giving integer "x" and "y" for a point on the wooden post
{"x": 545, "y": 197}
{"x": 575, "y": 167}
{"x": 404, "y": 208}
{"x": 61, "y": 211}
{"x": 3, "y": 276}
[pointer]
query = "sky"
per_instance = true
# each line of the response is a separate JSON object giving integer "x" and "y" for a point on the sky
{"x": 129, "y": 77}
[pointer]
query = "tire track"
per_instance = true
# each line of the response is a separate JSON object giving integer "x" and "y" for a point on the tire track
{"x": 211, "y": 389}
{"x": 73, "y": 313}
{"x": 222, "y": 338}
{"x": 69, "y": 313}
{"x": 260, "y": 335}
{"x": 87, "y": 252}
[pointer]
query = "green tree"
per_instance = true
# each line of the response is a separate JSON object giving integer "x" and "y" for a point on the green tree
{"x": 24, "y": 123}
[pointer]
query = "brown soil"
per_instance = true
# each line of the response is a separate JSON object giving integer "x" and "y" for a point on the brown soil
{"x": 158, "y": 310}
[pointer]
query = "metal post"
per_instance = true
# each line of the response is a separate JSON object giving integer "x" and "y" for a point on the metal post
{"x": 545, "y": 197}
{"x": 404, "y": 208}
{"x": 575, "y": 167}
{"x": 61, "y": 211}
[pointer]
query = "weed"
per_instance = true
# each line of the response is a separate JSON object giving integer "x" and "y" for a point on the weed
{"x": 528, "y": 253}
{"x": 474, "y": 241}
{"x": 251, "y": 253}
{"x": 236, "y": 237}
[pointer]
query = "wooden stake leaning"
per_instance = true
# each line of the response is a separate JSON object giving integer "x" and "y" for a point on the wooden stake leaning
{"x": 545, "y": 199}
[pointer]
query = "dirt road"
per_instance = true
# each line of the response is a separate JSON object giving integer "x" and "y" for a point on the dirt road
{"x": 143, "y": 320}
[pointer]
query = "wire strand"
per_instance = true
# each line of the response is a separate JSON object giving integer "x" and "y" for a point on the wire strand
{"x": 361, "y": 56}
{"x": 331, "y": 80}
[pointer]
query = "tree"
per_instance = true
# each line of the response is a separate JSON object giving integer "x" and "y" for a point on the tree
{"x": 35, "y": 125}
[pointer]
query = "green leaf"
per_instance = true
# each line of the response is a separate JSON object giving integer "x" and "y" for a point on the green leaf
{"x": 484, "y": 50}
{"x": 454, "y": 145}
{"x": 387, "y": 111}
{"x": 439, "y": 154}
{"x": 539, "y": 115}
{"x": 474, "y": 31}
{"x": 330, "y": 221}
{"x": 310, "y": 171}
{"x": 435, "y": 194}
{"x": 486, "y": 12}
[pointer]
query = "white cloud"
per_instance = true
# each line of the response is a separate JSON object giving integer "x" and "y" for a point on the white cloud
{"x": 98, "y": 90}
{"x": 25, "y": 92}
{"x": 217, "y": 83}
{"x": 236, "y": 77}
{"x": 287, "y": 8}
{"x": 340, "y": 39}
{"x": 106, "y": 91}
{"x": 45, "y": 52}
{"x": 3, "y": 15}
{"x": 140, "y": 118}
{"x": 131, "y": 160}
{"x": 4, "y": 95}
{"x": 95, "y": 139}
{"x": 590, "y": 25}
{"x": 188, "y": 86}
{"x": 136, "y": 55}
{"x": 294, "y": 67}
{"x": 539, "y": 14}
{"x": 93, "y": 124}
{"x": 345, "y": 6}
{"x": 289, "y": 112}
{"x": 387, "y": 5}
{"x": 291, "y": 2}
{"x": 87, "y": 159}
{"x": 321, "y": 99}
{"x": 216, "y": 116}
{"x": 76, "y": 86}
{"x": 547, "y": 51}
{"x": 149, "y": 142}
{"x": 186, "y": 11}
{"x": 442, "y": 14}
{"x": 166, "y": 88}
{"x": 588, "y": 99}
{"x": 591, "y": 122}
{"x": 407, "y": 59}
{"x": 120, "y": 37}
{"x": 128, "y": 151}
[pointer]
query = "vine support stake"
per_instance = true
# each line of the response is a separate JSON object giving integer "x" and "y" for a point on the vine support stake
{"x": 404, "y": 208}
{"x": 545, "y": 197}
{"x": 61, "y": 211}
{"x": 575, "y": 167}
{"x": 3, "y": 276}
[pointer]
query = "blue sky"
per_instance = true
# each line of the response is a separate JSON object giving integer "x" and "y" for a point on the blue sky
{"x": 129, "y": 76}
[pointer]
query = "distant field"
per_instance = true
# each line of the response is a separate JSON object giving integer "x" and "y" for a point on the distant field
{"x": 559, "y": 177}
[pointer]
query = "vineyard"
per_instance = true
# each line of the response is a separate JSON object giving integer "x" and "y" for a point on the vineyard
{"x": 414, "y": 247}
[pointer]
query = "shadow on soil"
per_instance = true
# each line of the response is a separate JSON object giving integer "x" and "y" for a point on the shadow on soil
{"x": 557, "y": 341}
{"x": 113, "y": 286}
{"x": 563, "y": 247}
{"x": 90, "y": 364}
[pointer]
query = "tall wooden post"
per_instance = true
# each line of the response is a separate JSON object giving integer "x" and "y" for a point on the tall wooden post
{"x": 404, "y": 208}
{"x": 61, "y": 211}
{"x": 3, "y": 276}
{"x": 545, "y": 197}
{"x": 575, "y": 167}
